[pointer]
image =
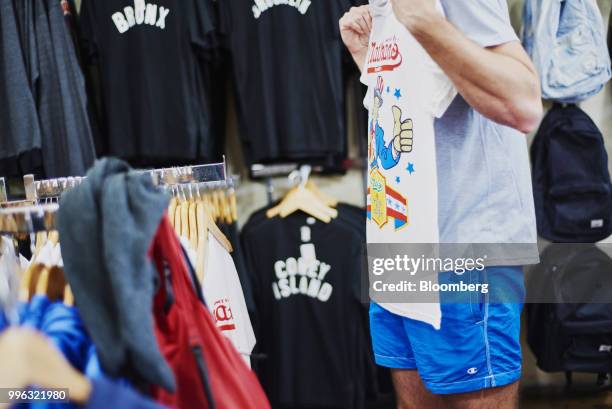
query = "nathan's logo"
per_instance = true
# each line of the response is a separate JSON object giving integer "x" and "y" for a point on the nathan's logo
{"x": 384, "y": 56}
{"x": 262, "y": 5}
{"x": 141, "y": 13}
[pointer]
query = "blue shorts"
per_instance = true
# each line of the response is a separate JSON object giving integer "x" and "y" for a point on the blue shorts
{"x": 477, "y": 346}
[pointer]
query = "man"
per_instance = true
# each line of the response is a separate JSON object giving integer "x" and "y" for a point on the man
{"x": 473, "y": 360}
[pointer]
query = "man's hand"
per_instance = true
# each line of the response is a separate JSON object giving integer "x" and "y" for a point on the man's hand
{"x": 412, "y": 12}
{"x": 29, "y": 358}
{"x": 402, "y": 132}
{"x": 355, "y": 28}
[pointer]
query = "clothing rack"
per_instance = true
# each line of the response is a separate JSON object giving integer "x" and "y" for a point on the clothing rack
{"x": 28, "y": 219}
{"x": 34, "y": 215}
{"x": 212, "y": 175}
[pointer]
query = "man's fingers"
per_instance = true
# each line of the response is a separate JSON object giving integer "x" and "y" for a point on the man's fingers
{"x": 367, "y": 18}
{"x": 357, "y": 19}
{"x": 407, "y": 125}
{"x": 363, "y": 27}
{"x": 352, "y": 26}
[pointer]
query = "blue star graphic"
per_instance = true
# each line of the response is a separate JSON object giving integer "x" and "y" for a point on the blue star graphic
{"x": 398, "y": 93}
{"x": 410, "y": 168}
{"x": 397, "y": 179}
{"x": 388, "y": 89}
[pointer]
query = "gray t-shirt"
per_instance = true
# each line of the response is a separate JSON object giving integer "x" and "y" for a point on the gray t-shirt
{"x": 484, "y": 181}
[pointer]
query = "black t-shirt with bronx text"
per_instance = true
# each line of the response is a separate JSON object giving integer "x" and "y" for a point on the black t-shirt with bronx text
{"x": 150, "y": 54}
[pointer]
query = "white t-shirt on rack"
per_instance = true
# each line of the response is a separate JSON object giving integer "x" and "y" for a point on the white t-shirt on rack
{"x": 225, "y": 300}
{"x": 407, "y": 90}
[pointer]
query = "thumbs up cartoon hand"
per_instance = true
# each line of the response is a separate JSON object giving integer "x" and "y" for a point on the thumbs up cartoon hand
{"x": 402, "y": 132}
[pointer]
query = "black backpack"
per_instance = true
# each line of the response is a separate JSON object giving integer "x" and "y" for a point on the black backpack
{"x": 571, "y": 180}
{"x": 572, "y": 332}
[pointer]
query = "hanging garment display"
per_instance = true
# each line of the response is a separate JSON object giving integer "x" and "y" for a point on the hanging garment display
{"x": 311, "y": 326}
{"x": 49, "y": 130}
{"x": 209, "y": 251}
{"x": 566, "y": 41}
{"x": 149, "y": 56}
{"x": 287, "y": 61}
{"x": 407, "y": 90}
{"x": 21, "y": 136}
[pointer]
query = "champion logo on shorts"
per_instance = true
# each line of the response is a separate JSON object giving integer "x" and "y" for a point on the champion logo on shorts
{"x": 472, "y": 371}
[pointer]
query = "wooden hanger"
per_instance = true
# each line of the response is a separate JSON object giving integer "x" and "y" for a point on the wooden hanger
{"x": 324, "y": 197}
{"x": 193, "y": 220}
{"x": 177, "y": 218}
{"x": 68, "y": 296}
{"x": 207, "y": 226}
{"x": 202, "y": 248}
{"x": 172, "y": 210}
{"x": 300, "y": 198}
{"x": 233, "y": 205}
{"x": 51, "y": 281}
{"x": 185, "y": 219}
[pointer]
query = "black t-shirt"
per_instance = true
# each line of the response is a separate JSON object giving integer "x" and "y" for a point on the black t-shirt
{"x": 305, "y": 276}
{"x": 287, "y": 59}
{"x": 149, "y": 57}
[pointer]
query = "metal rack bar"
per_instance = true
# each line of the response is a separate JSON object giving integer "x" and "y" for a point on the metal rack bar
{"x": 28, "y": 219}
{"x": 215, "y": 173}
{"x": 29, "y": 216}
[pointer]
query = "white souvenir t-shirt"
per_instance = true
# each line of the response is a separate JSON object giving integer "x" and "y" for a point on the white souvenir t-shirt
{"x": 225, "y": 300}
{"x": 407, "y": 90}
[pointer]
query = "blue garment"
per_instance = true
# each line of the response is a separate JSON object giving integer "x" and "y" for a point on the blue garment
{"x": 478, "y": 344}
{"x": 3, "y": 321}
{"x": 566, "y": 41}
{"x": 107, "y": 394}
{"x": 384, "y": 154}
{"x": 63, "y": 325}
{"x": 32, "y": 315}
{"x": 22, "y": 311}
{"x": 484, "y": 179}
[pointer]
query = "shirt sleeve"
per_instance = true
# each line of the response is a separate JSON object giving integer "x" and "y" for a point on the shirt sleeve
{"x": 487, "y": 22}
{"x": 444, "y": 93}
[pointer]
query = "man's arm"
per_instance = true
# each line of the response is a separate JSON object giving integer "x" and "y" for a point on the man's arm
{"x": 499, "y": 82}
